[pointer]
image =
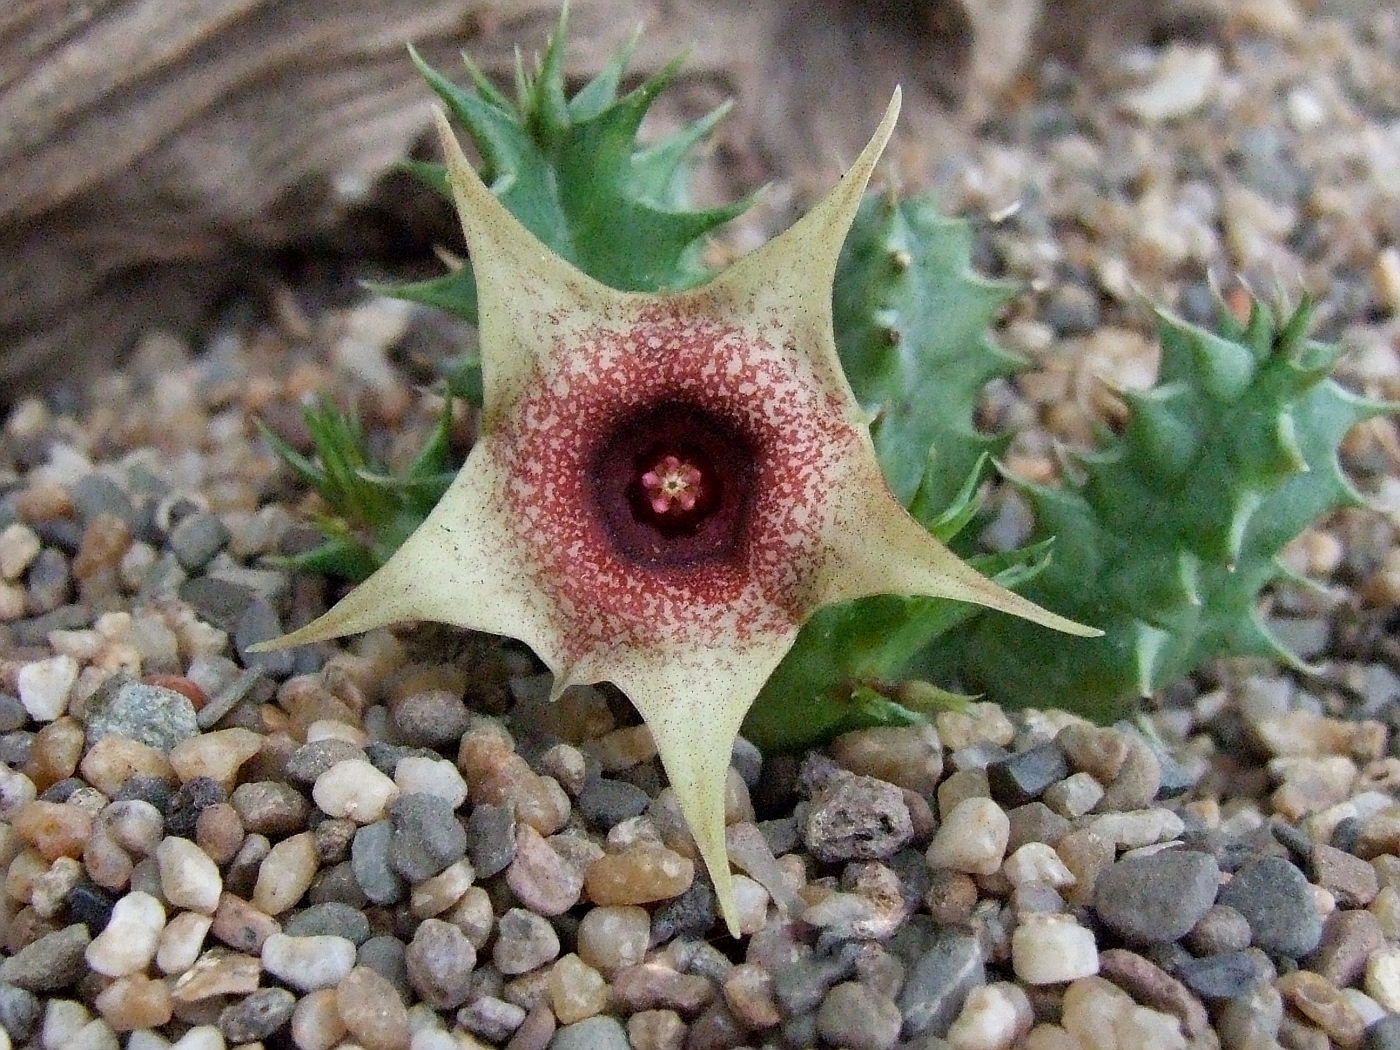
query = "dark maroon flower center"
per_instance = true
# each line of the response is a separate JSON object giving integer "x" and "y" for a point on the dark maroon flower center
{"x": 672, "y": 486}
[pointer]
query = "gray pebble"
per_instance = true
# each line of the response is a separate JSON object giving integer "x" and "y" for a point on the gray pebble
{"x": 440, "y": 961}
{"x": 937, "y": 985}
{"x": 857, "y": 818}
{"x": 524, "y": 941}
{"x": 311, "y": 760}
{"x": 163, "y": 579}
{"x": 606, "y": 803}
{"x": 856, "y": 1016}
{"x": 592, "y": 1033}
{"x": 1072, "y": 310}
{"x": 491, "y": 1018}
{"x": 152, "y": 714}
{"x": 1383, "y": 1035}
{"x": 748, "y": 761}
{"x": 1022, "y": 777}
{"x": 19, "y": 1012}
{"x": 337, "y": 885}
{"x": 1275, "y": 899}
{"x": 49, "y": 582}
{"x": 35, "y": 630}
{"x": 385, "y": 956}
{"x": 1221, "y": 929}
{"x": 689, "y": 915}
{"x": 1035, "y": 822}
{"x": 244, "y": 683}
{"x": 426, "y": 836}
{"x": 197, "y": 538}
{"x": 16, "y": 748}
{"x": 433, "y": 718}
{"x": 218, "y": 602}
{"x": 1220, "y": 977}
{"x": 1158, "y": 897}
{"x": 258, "y": 623}
{"x": 257, "y": 1016}
{"x": 12, "y": 713}
{"x": 95, "y": 494}
{"x": 369, "y": 859}
{"x": 331, "y": 918}
{"x": 491, "y": 839}
{"x": 52, "y": 962}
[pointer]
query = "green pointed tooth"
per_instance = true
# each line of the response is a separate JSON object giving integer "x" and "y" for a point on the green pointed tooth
{"x": 1149, "y": 645}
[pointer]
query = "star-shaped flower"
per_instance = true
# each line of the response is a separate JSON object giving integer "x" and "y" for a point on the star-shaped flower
{"x": 664, "y": 488}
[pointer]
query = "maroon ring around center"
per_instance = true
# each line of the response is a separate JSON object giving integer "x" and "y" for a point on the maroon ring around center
{"x": 631, "y": 463}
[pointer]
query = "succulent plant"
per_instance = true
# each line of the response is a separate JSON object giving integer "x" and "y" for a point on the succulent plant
{"x": 1167, "y": 534}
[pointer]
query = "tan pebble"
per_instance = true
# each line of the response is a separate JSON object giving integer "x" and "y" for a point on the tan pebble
{"x": 473, "y": 916}
{"x": 55, "y": 829}
{"x": 218, "y": 973}
{"x": 908, "y": 756}
{"x": 128, "y": 943}
{"x": 1321, "y": 1002}
{"x": 135, "y": 1002}
{"x": 1049, "y": 1037}
{"x": 107, "y": 864}
{"x": 219, "y": 832}
{"x": 1036, "y": 862}
{"x": 354, "y": 789}
{"x": 748, "y": 992}
{"x": 27, "y": 866}
{"x": 19, "y": 546}
{"x": 622, "y": 748}
{"x": 371, "y": 1010}
{"x": 495, "y": 774}
{"x": 992, "y": 1016}
{"x": 181, "y": 942}
{"x": 104, "y": 541}
{"x": 316, "y": 1023}
{"x": 135, "y": 825}
{"x": 114, "y": 760}
{"x": 652, "y": 986}
{"x": 12, "y": 602}
{"x": 962, "y": 785}
{"x": 241, "y": 926}
{"x": 542, "y": 879}
{"x": 435, "y": 895}
{"x": 576, "y": 990}
{"x": 614, "y": 936}
{"x": 976, "y": 724}
{"x": 639, "y": 876}
{"x": 200, "y": 1037}
{"x": 656, "y": 1030}
{"x": 57, "y": 749}
{"x": 189, "y": 879}
{"x": 1085, "y": 855}
{"x": 49, "y": 891}
{"x": 216, "y": 755}
{"x": 286, "y": 873}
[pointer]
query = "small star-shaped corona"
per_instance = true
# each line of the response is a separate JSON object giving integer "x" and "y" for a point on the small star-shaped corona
{"x": 664, "y": 487}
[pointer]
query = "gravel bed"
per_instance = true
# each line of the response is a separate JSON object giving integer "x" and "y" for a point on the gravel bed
{"x": 397, "y": 844}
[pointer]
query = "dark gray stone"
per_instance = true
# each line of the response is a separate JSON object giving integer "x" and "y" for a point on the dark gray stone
{"x": 592, "y": 1033}
{"x": 689, "y": 915}
{"x": 152, "y": 714}
{"x": 606, "y": 802}
{"x": 19, "y": 1012}
{"x": 12, "y": 713}
{"x": 426, "y": 837}
{"x": 331, "y": 918}
{"x": 1022, "y": 777}
{"x": 432, "y": 718}
{"x": 311, "y": 760}
{"x": 1383, "y": 1035}
{"x": 95, "y": 494}
{"x": 857, "y": 818}
{"x": 257, "y": 1016}
{"x": 491, "y": 839}
{"x": 369, "y": 859}
{"x": 218, "y": 602}
{"x": 259, "y": 623}
{"x": 49, "y": 581}
{"x": 937, "y": 985}
{"x": 1220, "y": 977}
{"x": 196, "y": 539}
{"x": 385, "y": 956}
{"x": 189, "y": 801}
{"x": 52, "y": 962}
{"x": 1276, "y": 901}
{"x": 1156, "y": 898}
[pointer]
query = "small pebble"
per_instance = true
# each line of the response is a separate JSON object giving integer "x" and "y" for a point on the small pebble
{"x": 188, "y": 878}
{"x": 258, "y": 1016}
{"x": 595, "y": 1033}
{"x": 371, "y": 1010}
{"x": 611, "y": 937}
{"x": 1275, "y": 899}
{"x": 972, "y": 838}
{"x": 308, "y": 962}
{"x": 1156, "y": 898}
{"x": 44, "y": 686}
{"x": 1050, "y": 949}
{"x": 426, "y": 836}
{"x": 355, "y": 789}
{"x": 52, "y": 962}
{"x": 129, "y": 942}
{"x": 856, "y": 1016}
{"x": 640, "y": 875}
{"x": 544, "y": 881}
{"x": 857, "y": 818}
{"x": 440, "y": 960}
{"x": 286, "y": 873}
{"x": 524, "y": 941}
{"x": 576, "y": 990}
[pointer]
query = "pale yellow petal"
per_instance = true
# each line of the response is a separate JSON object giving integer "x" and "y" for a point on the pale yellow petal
{"x": 874, "y": 547}
{"x": 459, "y": 567}
{"x": 693, "y": 700}
{"x": 526, "y": 294}
{"x": 788, "y": 280}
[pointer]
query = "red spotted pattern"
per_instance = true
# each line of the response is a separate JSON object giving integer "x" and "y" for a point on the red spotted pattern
{"x": 604, "y": 375}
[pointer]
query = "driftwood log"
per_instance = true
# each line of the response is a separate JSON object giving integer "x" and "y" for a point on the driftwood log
{"x": 162, "y": 157}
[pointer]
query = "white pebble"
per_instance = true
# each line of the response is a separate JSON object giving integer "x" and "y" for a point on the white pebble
{"x": 181, "y": 941}
{"x": 19, "y": 545}
{"x": 1140, "y": 827}
{"x": 44, "y": 686}
{"x": 145, "y": 1039}
{"x": 333, "y": 729}
{"x": 1049, "y": 949}
{"x": 1383, "y": 978}
{"x": 1074, "y": 796}
{"x": 1036, "y": 862}
{"x": 1370, "y": 1010}
{"x": 972, "y": 839}
{"x": 202, "y": 1037}
{"x": 63, "y": 1019}
{"x": 128, "y": 944}
{"x": 95, "y": 1035}
{"x": 992, "y": 1017}
{"x": 308, "y": 963}
{"x": 286, "y": 873}
{"x": 354, "y": 789}
{"x": 433, "y": 1039}
{"x": 418, "y": 774}
{"x": 189, "y": 878}
{"x": 15, "y": 790}
{"x": 751, "y": 903}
